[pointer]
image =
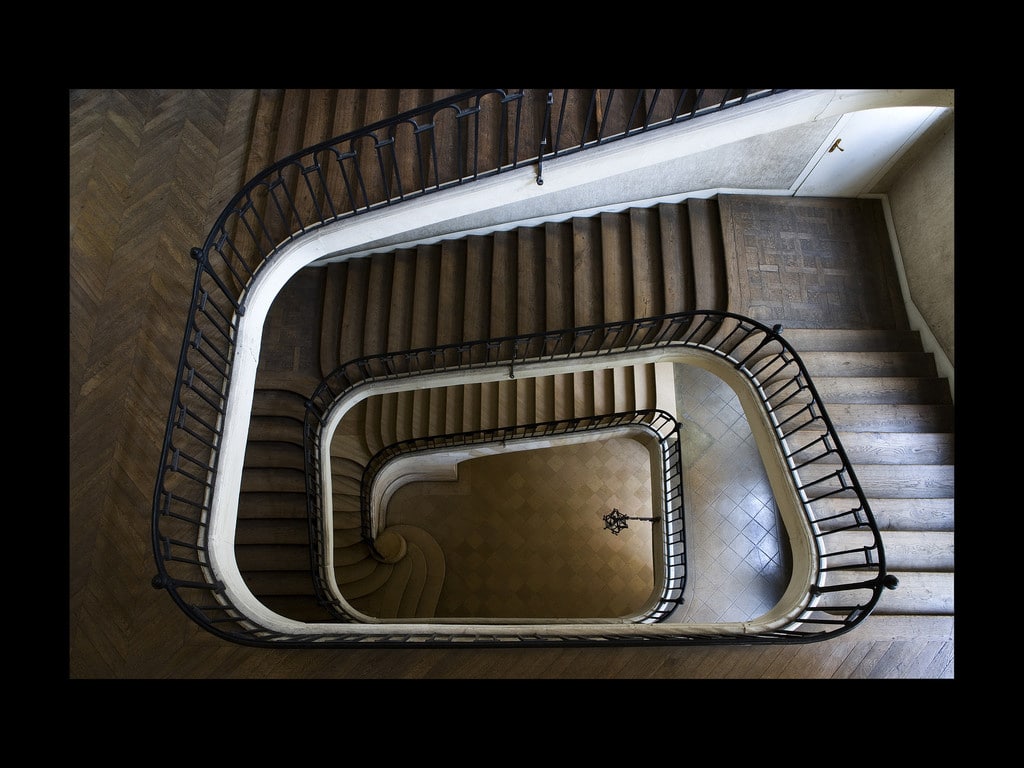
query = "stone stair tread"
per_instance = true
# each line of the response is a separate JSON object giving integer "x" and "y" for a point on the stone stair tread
{"x": 274, "y": 479}
{"x": 864, "y": 448}
{"x": 895, "y": 480}
{"x": 882, "y": 389}
{"x": 274, "y": 455}
{"x": 279, "y": 530}
{"x": 280, "y": 583}
{"x": 434, "y": 570}
{"x": 362, "y": 577}
{"x": 880, "y": 417}
{"x": 904, "y": 550}
{"x": 877, "y": 364}
{"x": 900, "y": 514}
{"x": 272, "y": 557}
{"x": 348, "y": 554}
{"x": 904, "y": 627}
{"x": 617, "y": 263}
{"x": 281, "y": 429}
{"x": 805, "y": 340}
{"x": 271, "y": 504}
{"x": 918, "y": 593}
{"x": 647, "y": 269}
{"x": 298, "y": 608}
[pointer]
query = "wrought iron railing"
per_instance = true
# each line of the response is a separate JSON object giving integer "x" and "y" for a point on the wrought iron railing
{"x": 660, "y": 426}
{"x": 365, "y": 170}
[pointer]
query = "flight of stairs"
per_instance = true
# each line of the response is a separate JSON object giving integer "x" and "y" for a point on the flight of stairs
{"x": 893, "y": 414}
{"x": 894, "y": 418}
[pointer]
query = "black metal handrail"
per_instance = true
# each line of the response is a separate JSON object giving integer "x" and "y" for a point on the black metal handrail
{"x": 662, "y": 428}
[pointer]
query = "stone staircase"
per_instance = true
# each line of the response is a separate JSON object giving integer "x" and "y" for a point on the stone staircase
{"x": 894, "y": 416}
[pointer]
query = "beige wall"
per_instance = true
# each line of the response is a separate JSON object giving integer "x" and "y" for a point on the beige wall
{"x": 921, "y": 200}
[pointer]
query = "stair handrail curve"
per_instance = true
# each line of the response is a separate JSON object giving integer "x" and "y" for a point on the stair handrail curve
{"x": 333, "y": 180}
{"x": 660, "y": 425}
{"x": 758, "y": 352}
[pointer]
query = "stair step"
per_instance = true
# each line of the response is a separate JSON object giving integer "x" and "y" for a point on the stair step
{"x": 564, "y": 397}
{"x": 280, "y": 429}
{"x": 438, "y": 413}
{"x": 904, "y": 550}
{"x": 388, "y": 418}
{"x": 623, "y": 388}
{"x": 893, "y": 480}
{"x": 531, "y": 268}
{"x": 891, "y": 448}
{"x": 451, "y": 299}
{"x": 604, "y": 390}
{"x": 279, "y": 403}
{"x": 876, "y": 364}
{"x": 904, "y": 628}
{"x": 708, "y": 254}
{"x": 377, "y": 304}
{"x": 545, "y": 398}
{"x": 363, "y": 578}
{"x": 448, "y": 404}
{"x": 875, "y": 417}
{"x": 271, "y": 504}
{"x": 425, "y": 296}
{"x": 918, "y": 593}
{"x": 274, "y": 455}
{"x": 882, "y": 389}
{"x": 345, "y": 484}
{"x": 899, "y": 514}
{"x": 353, "y": 319}
{"x": 617, "y": 263}
{"x": 504, "y": 285}
{"x": 298, "y": 608}
{"x": 280, "y": 583}
{"x": 676, "y": 258}
{"x": 587, "y": 274}
{"x": 583, "y": 393}
{"x": 805, "y": 340}
{"x": 433, "y": 570}
{"x": 471, "y": 407}
{"x": 404, "y": 415}
{"x": 476, "y": 319}
{"x": 647, "y": 269}
{"x": 272, "y": 557}
{"x": 645, "y": 387}
{"x": 403, "y": 278}
{"x": 526, "y": 401}
{"x": 282, "y": 480}
{"x": 330, "y": 316}
{"x": 558, "y": 288}
{"x": 350, "y": 554}
{"x": 409, "y": 599}
{"x": 278, "y": 531}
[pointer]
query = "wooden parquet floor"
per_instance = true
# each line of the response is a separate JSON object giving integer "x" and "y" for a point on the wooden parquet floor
{"x": 150, "y": 171}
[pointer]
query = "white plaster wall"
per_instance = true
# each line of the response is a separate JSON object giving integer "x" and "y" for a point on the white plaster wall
{"x": 921, "y": 200}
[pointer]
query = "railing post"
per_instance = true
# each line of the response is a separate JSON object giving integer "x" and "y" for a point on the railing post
{"x": 544, "y": 137}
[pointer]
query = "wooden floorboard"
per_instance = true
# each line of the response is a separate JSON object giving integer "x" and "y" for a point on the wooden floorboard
{"x": 150, "y": 172}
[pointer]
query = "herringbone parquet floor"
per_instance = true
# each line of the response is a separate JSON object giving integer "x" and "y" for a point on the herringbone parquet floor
{"x": 150, "y": 172}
